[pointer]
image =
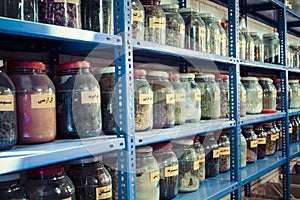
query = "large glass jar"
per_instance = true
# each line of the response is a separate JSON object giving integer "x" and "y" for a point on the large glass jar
{"x": 48, "y": 183}
{"x": 147, "y": 174}
{"x": 78, "y": 101}
{"x": 251, "y": 139}
{"x": 243, "y": 100}
{"x": 188, "y": 159}
{"x": 36, "y": 113}
{"x": 62, "y": 12}
{"x": 193, "y": 98}
{"x": 169, "y": 170}
{"x": 295, "y": 97}
{"x": 269, "y": 93}
{"x": 212, "y": 155}
{"x": 223, "y": 39}
{"x": 249, "y": 46}
{"x": 110, "y": 161}
{"x": 11, "y": 187}
{"x": 296, "y": 55}
{"x": 155, "y": 22}
{"x": 163, "y": 101}
{"x": 91, "y": 179}
{"x": 224, "y": 152}
{"x": 271, "y": 138}
{"x": 279, "y": 127}
{"x": 243, "y": 147}
{"x": 254, "y": 104}
{"x": 21, "y": 9}
{"x": 138, "y": 20}
{"x": 261, "y": 141}
{"x": 223, "y": 82}
{"x": 278, "y": 88}
{"x": 242, "y": 45}
{"x": 175, "y": 26}
{"x": 201, "y": 153}
{"x": 259, "y": 50}
{"x": 272, "y": 48}
{"x": 295, "y": 126}
{"x": 210, "y": 96}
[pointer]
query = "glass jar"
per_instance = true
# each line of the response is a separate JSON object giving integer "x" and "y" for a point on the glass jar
{"x": 278, "y": 137}
{"x": 243, "y": 147}
{"x": 279, "y": 127}
{"x": 223, "y": 39}
{"x": 269, "y": 93}
{"x": 138, "y": 20}
{"x": 193, "y": 98}
{"x": 180, "y": 98}
{"x": 272, "y": 48}
{"x": 261, "y": 141}
{"x": 143, "y": 101}
{"x": 91, "y": 179}
{"x": 295, "y": 97}
{"x": 289, "y": 56}
{"x": 271, "y": 138}
{"x": 147, "y": 174}
{"x": 210, "y": 96}
{"x": 224, "y": 152}
{"x": 155, "y": 22}
{"x": 195, "y": 30}
{"x": 163, "y": 101}
{"x": 242, "y": 45}
{"x": 97, "y": 15}
{"x": 212, "y": 155}
{"x": 48, "y": 183}
{"x": 249, "y": 46}
{"x": 295, "y": 126}
{"x": 21, "y": 9}
{"x": 251, "y": 139}
{"x": 298, "y": 121}
{"x": 36, "y": 113}
{"x": 296, "y": 55}
{"x": 110, "y": 161}
{"x": 223, "y": 82}
{"x": 259, "y": 50}
{"x": 188, "y": 159}
{"x": 78, "y": 101}
{"x": 201, "y": 153}
{"x": 254, "y": 92}
{"x": 243, "y": 100}
{"x": 278, "y": 88}
{"x": 61, "y": 13}
{"x": 168, "y": 167}
{"x": 11, "y": 187}
{"x": 175, "y": 26}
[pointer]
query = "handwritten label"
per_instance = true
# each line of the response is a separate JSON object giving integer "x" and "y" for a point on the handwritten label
{"x": 197, "y": 96}
{"x": 273, "y": 137}
{"x": 216, "y": 153}
{"x": 68, "y": 1}
{"x": 43, "y": 101}
{"x": 182, "y": 29}
{"x": 201, "y": 158}
{"x": 146, "y": 99}
{"x": 159, "y": 23}
{"x": 260, "y": 94}
{"x": 88, "y": 97}
{"x": 290, "y": 130}
{"x": 224, "y": 151}
{"x": 261, "y": 141}
{"x": 244, "y": 95}
{"x": 137, "y": 16}
{"x": 104, "y": 192}
{"x": 253, "y": 144}
{"x": 154, "y": 176}
{"x": 170, "y": 98}
{"x": 7, "y": 103}
{"x": 70, "y": 198}
{"x": 274, "y": 94}
{"x": 180, "y": 97}
{"x": 290, "y": 94}
{"x": 241, "y": 43}
{"x": 171, "y": 171}
{"x": 196, "y": 165}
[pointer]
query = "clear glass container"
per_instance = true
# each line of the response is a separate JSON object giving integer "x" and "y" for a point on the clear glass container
{"x": 193, "y": 98}
{"x": 155, "y": 22}
{"x": 147, "y": 174}
{"x": 110, "y": 161}
{"x": 271, "y": 138}
{"x": 212, "y": 155}
{"x": 210, "y": 96}
{"x": 243, "y": 147}
{"x": 21, "y": 9}
{"x": 224, "y": 152}
{"x": 279, "y": 142}
{"x": 223, "y": 39}
{"x": 223, "y": 81}
{"x": 289, "y": 56}
{"x": 201, "y": 153}
{"x": 269, "y": 93}
{"x": 138, "y": 20}
{"x": 36, "y": 113}
{"x": 250, "y": 48}
{"x": 261, "y": 141}
{"x": 48, "y": 183}
{"x": 278, "y": 88}
{"x": 243, "y": 100}
{"x": 90, "y": 178}
{"x": 169, "y": 169}
{"x": 295, "y": 97}
{"x": 295, "y": 126}
{"x": 77, "y": 93}
{"x": 242, "y": 45}
{"x": 252, "y": 141}
{"x": 296, "y": 55}
{"x": 259, "y": 50}
{"x": 278, "y": 132}
{"x": 272, "y": 48}
{"x": 60, "y": 12}
{"x": 11, "y": 187}
{"x": 254, "y": 92}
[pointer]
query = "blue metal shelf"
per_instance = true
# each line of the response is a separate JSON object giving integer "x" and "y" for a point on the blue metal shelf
{"x": 293, "y": 112}
{"x": 189, "y": 129}
{"x": 252, "y": 119}
{"x": 294, "y": 150}
{"x": 261, "y": 65}
{"x": 294, "y": 70}
{"x": 23, "y": 157}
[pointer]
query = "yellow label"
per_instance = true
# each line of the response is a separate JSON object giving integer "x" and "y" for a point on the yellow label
{"x": 244, "y": 95}
{"x": 197, "y": 96}
{"x": 180, "y": 97}
{"x": 43, "y": 101}
{"x": 145, "y": 99}
{"x": 88, "y": 97}
{"x": 298, "y": 93}
{"x": 216, "y": 154}
{"x": 273, "y": 137}
{"x": 68, "y": 1}
{"x": 182, "y": 29}
{"x": 280, "y": 134}
{"x": 241, "y": 44}
{"x": 201, "y": 158}
{"x": 277, "y": 136}
{"x": 154, "y": 176}
{"x": 159, "y": 23}
{"x": 260, "y": 94}
{"x": 224, "y": 151}
{"x": 170, "y": 98}
{"x": 202, "y": 32}
{"x": 291, "y": 94}
{"x": 70, "y": 198}
{"x": 137, "y": 16}
{"x": 171, "y": 171}
{"x": 261, "y": 141}
{"x": 217, "y": 96}
{"x": 104, "y": 192}
{"x": 7, "y": 103}
{"x": 253, "y": 144}
{"x": 290, "y": 130}
{"x": 274, "y": 94}
{"x": 196, "y": 165}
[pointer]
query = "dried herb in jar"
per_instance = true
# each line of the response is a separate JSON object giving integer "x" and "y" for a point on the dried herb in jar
{"x": 252, "y": 141}
{"x": 261, "y": 141}
{"x": 224, "y": 152}
{"x": 138, "y": 24}
{"x": 212, "y": 154}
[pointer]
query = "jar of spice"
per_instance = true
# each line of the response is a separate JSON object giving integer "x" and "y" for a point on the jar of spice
{"x": 279, "y": 127}
{"x": 91, "y": 179}
{"x": 212, "y": 155}
{"x": 269, "y": 93}
{"x": 21, "y": 9}
{"x": 110, "y": 162}
{"x": 261, "y": 141}
{"x": 278, "y": 137}
{"x": 224, "y": 152}
{"x": 258, "y": 47}
{"x": 138, "y": 18}
{"x": 254, "y": 92}
{"x": 223, "y": 82}
{"x": 193, "y": 98}
{"x": 296, "y": 55}
{"x": 295, "y": 126}
{"x": 242, "y": 45}
{"x": 278, "y": 88}
{"x": 243, "y": 100}
{"x": 201, "y": 152}
{"x": 223, "y": 38}
{"x": 272, "y": 48}
{"x": 147, "y": 174}
{"x": 249, "y": 46}
{"x": 163, "y": 101}
{"x": 78, "y": 101}
{"x": 52, "y": 180}
{"x": 251, "y": 139}
{"x": 295, "y": 96}
{"x": 271, "y": 138}
{"x": 11, "y": 187}
{"x": 36, "y": 113}
{"x": 243, "y": 147}
{"x": 169, "y": 170}
{"x": 210, "y": 96}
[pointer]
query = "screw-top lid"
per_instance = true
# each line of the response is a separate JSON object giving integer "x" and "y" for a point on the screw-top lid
{"x": 187, "y": 75}
{"x": 222, "y": 76}
{"x": 169, "y": 6}
{"x": 174, "y": 76}
{"x": 139, "y": 72}
{"x": 9, "y": 177}
{"x": 162, "y": 146}
{"x": 18, "y": 64}
{"x": 149, "y": 2}
{"x": 73, "y": 65}
{"x": 186, "y": 142}
{"x": 250, "y": 78}
{"x": 158, "y": 74}
{"x": 86, "y": 160}
{"x": 206, "y": 15}
{"x": 144, "y": 149}
{"x": 46, "y": 170}
{"x": 276, "y": 80}
{"x": 105, "y": 70}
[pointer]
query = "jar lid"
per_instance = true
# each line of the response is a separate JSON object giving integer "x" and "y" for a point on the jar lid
{"x": 186, "y": 142}
{"x": 187, "y": 75}
{"x": 266, "y": 79}
{"x": 294, "y": 81}
{"x": 73, "y": 65}
{"x": 162, "y": 146}
{"x": 174, "y": 76}
{"x": 268, "y": 35}
{"x": 149, "y": 2}
{"x": 9, "y": 177}
{"x": 222, "y": 76}
{"x": 169, "y": 6}
{"x": 277, "y": 80}
{"x": 206, "y": 15}
{"x": 158, "y": 74}
{"x": 18, "y": 64}
{"x": 268, "y": 111}
{"x": 46, "y": 170}
{"x": 139, "y": 72}
{"x": 105, "y": 70}
{"x": 250, "y": 78}
{"x": 86, "y": 160}
{"x": 144, "y": 149}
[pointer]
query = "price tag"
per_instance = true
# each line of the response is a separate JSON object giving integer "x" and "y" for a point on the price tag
{"x": 196, "y": 165}
{"x": 260, "y": 94}
{"x": 244, "y": 95}
{"x": 7, "y": 103}
{"x": 137, "y": 16}
{"x": 171, "y": 171}
{"x": 104, "y": 192}
{"x": 201, "y": 158}
{"x": 43, "y": 101}
{"x": 182, "y": 29}
{"x": 145, "y": 99}
{"x": 157, "y": 23}
{"x": 253, "y": 144}
{"x": 224, "y": 151}
{"x": 261, "y": 141}
{"x": 170, "y": 98}
{"x": 180, "y": 97}
{"x": 154, "y": 176}
{"x": 197, "y": 96}
{"x": 216, "y": 153}
{"x": 88, "y": 97}
{"x": 273, "y": 137}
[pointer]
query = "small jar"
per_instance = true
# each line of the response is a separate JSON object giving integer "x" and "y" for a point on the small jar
{"x": 249, "y": 46}
{"x": 212, "y": 155}
{"x": 259, "y": 50}
{"x": 223, "y": 82}
{"x": 201, "y": 153}
{"x": 155, "y": 22}
{"x": 188, "y": 159}
{"x": 224, "y": 152}
{"x": 278, "y": 137}
{"x": 61, "y": 13}
{"x": 223, "y": 39}
{"x": 278, "y": 88}
{"x": 21, "y": 9}
{"x": 138, "y": 20}
{"x": 251, "y": 139}
{"x": 210, "y": 96}
{"x": 295, "y": 97}
{"x": 52, "y": 181}
{"x": 243, "y": 147}
{"x": 163, "y": 101}
{"x": 271, "y": 138}
{"x": 242, "y": 45}
{"x": 269, "y": 93}
{"x": 91, "y": 179}
{"x": 110, "y": 162}
{"x": 147, "y": 174}
{"x": 295, "y": 126}
{"x": 36, "y": 113}
{"x": 169, "y": 170}
{"x": 243, "y": 100}
{"x": 11, "y": 187}
{"x": 254, "y": 104}
{"x": 78, "y": 105}
{"x": 279, "y": 127}
{"x": 296, "y": 55}
{"x": 272, "y": 48}
{"x": 193, "y": 98}
{"x": 261, "y": 141}
{"x": 180, "y": 98}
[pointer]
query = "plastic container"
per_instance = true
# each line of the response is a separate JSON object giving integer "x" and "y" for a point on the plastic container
{"x": 48, "y": 183}
{"x": 254, "y": 104}
{"x": 261, "y": 141}
{"x": 295, "y": 126}
{"x": 243, "y": 147}
{"x": 223, "y": 81}
{"x": 201, "y": 153}
{"x": 252, "y": 141}
{"x": 21, "y": 9}
{"x": 278, "y": 99}
{"x": 272, "y": 48}
{"x": 269, "y": 93}
{"x": 36, "y": 113}
{"x": 271, "y": 138}
{"x": 295, "y": 97}
{"x": 11, "y": 187}
{"x": 250, "y": 48}
{"x": 224, "y": 152}
{"x": 212, "y": 155}
{"x": 78, "y": 101}
{"x": 243, "y": 100}
{"x": 138, "y": 20}
{"x": 259, "y": 49}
